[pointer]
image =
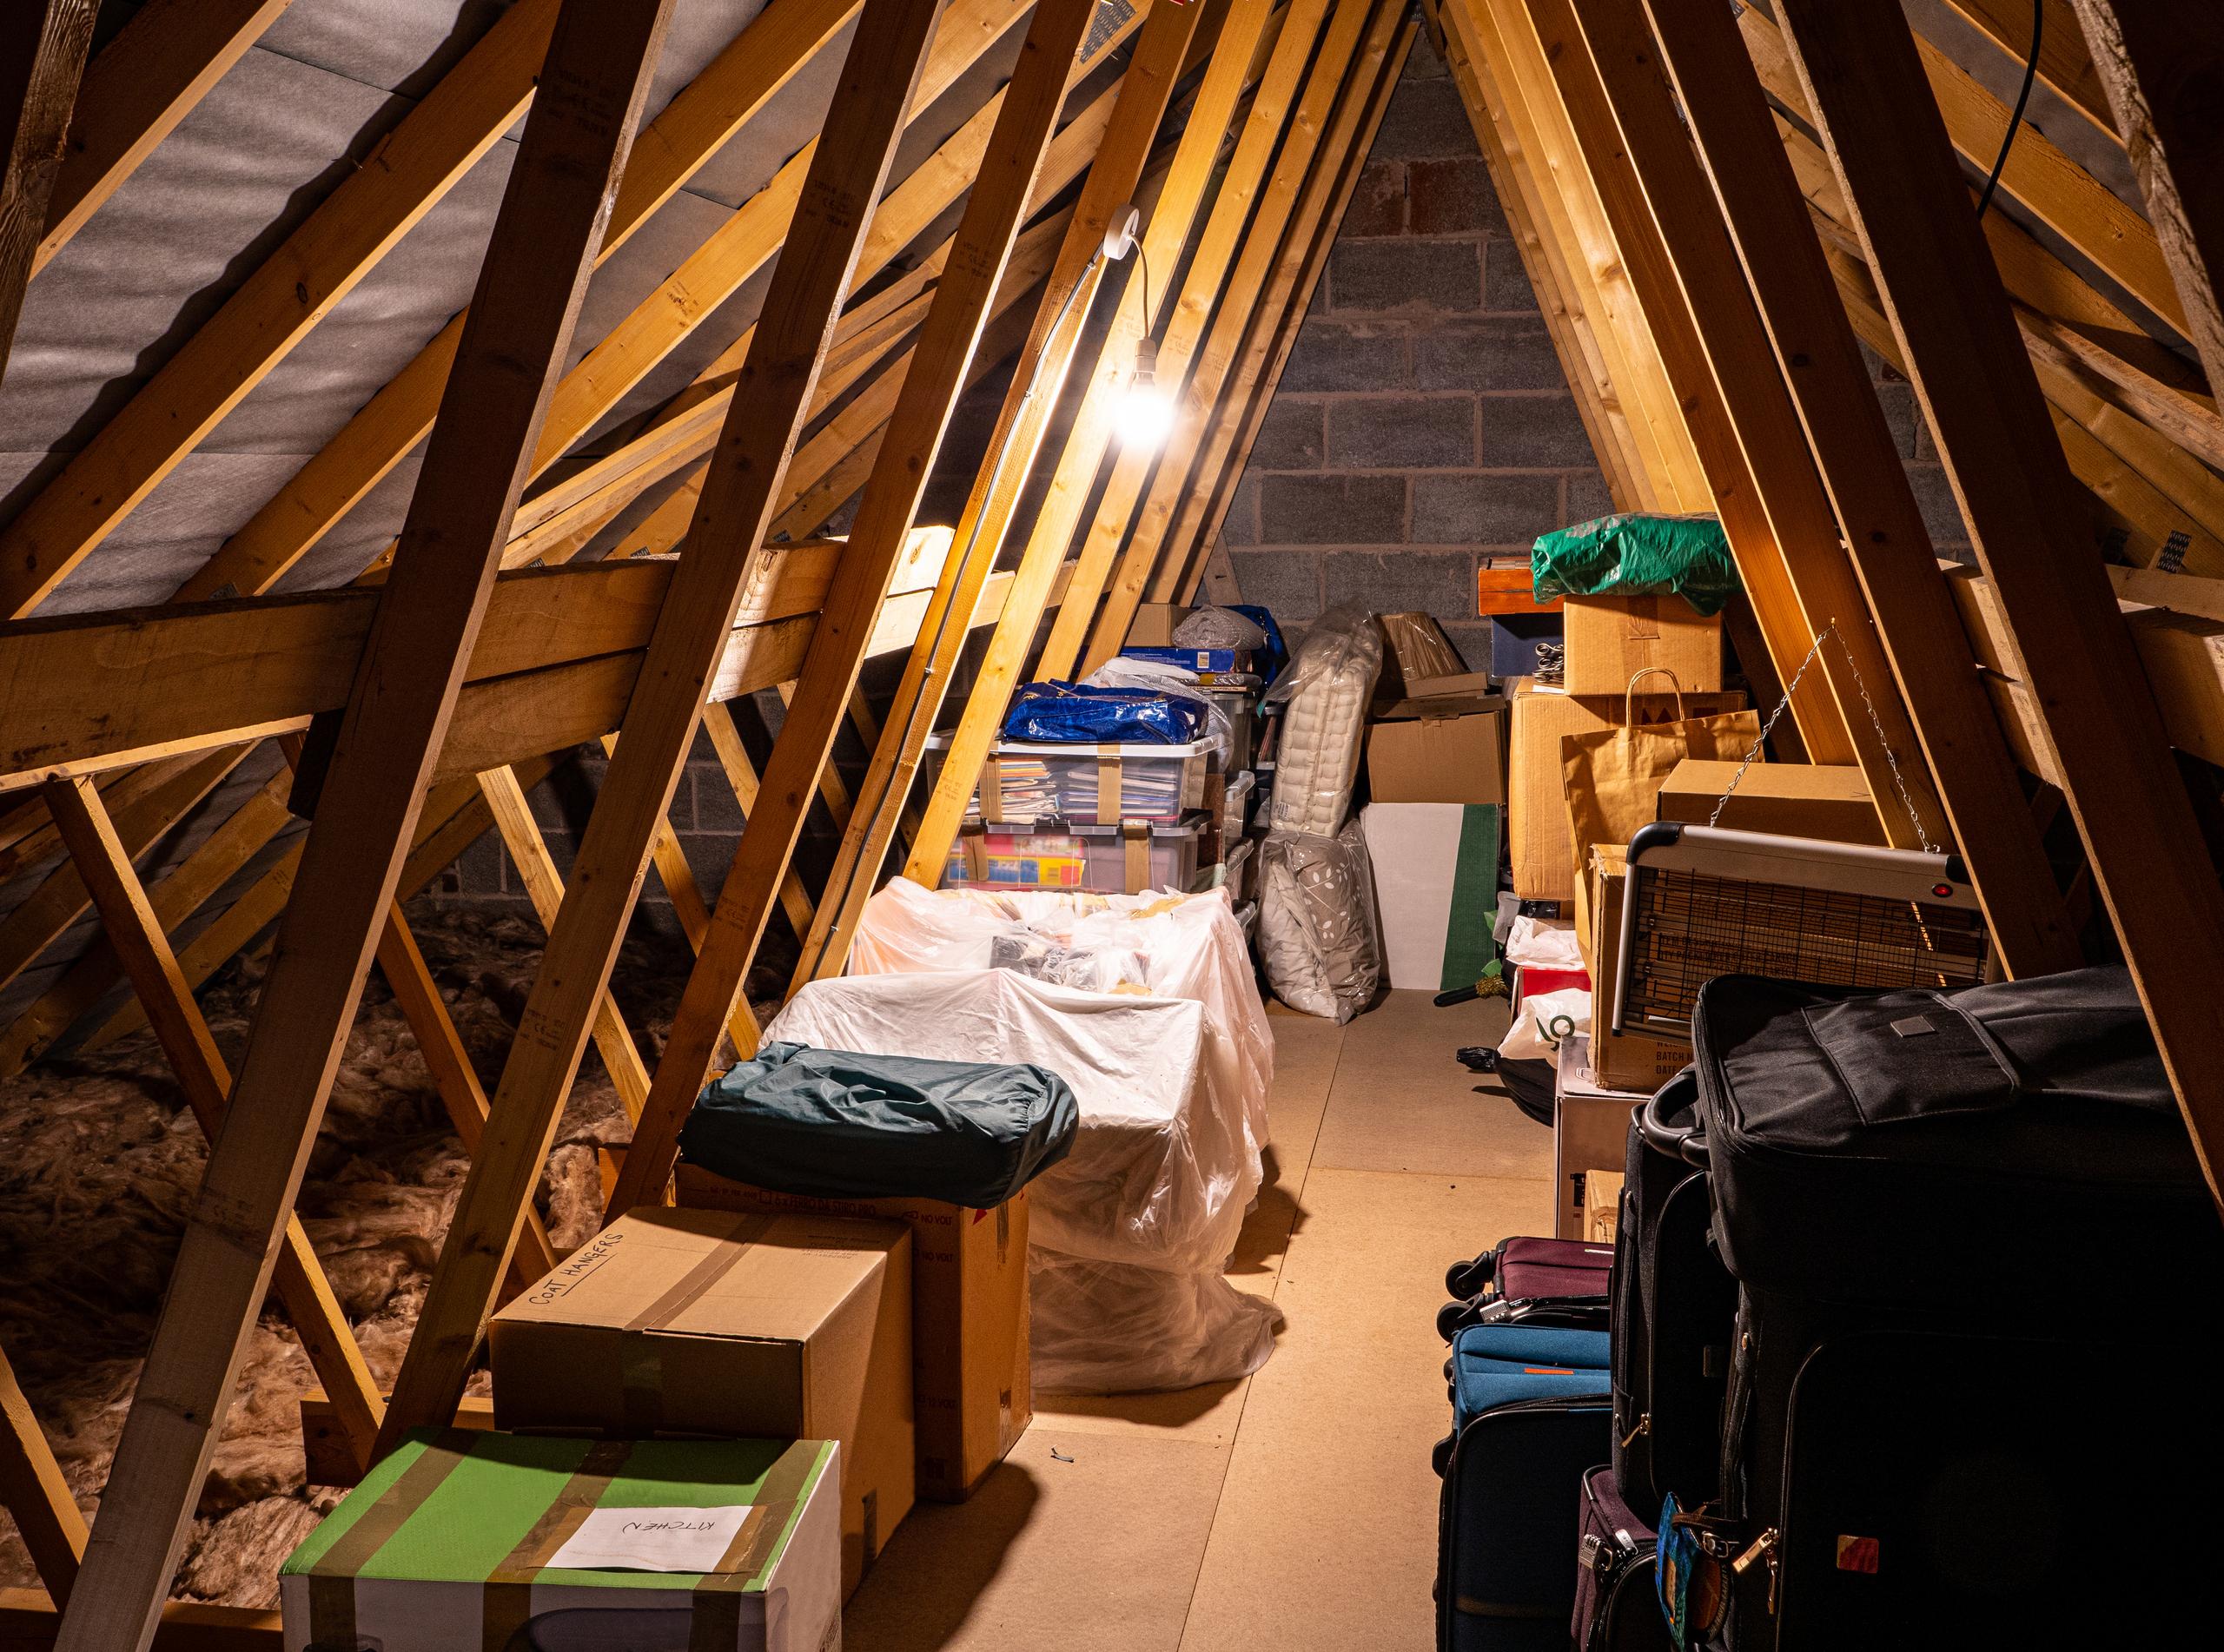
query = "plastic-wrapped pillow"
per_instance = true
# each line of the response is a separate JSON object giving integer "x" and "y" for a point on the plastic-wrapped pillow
{"x": 1219, "y": 628}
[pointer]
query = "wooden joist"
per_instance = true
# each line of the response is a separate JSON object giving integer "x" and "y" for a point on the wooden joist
{"x": 1669, "y": 356}
{"x": 995, "y": 208}
{"x": 394, "y": 420}
{"x": 1354, "y": 39}
{"x": 1170, "y": 42}
{"x": 2159, "y": 62}
{"x": 1863, "y": 80}
{"x": 143, "y": 82}
{"x": 318, "y": 265}
{"x": 849, "y": 167}
{"x": 133, "y": 929}
{"x": 32, "y": 1489}
{"x": 538, "y": 262}
{"x": 1837, "y": 410}
{"x": 2065, "y": 66}
{"x": 1320, "y": 216}
{"x": 1209, "y": 263}
{"x": 42, "y": 48}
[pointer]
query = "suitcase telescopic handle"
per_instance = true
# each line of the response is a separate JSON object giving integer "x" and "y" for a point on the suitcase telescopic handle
{"x": 1684, "y": 1141}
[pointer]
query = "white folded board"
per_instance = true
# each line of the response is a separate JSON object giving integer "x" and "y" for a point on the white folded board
{"x": 1415, "y": 848}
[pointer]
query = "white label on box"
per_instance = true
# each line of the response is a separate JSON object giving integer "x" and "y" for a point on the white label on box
{"x": 651, "y": 1540}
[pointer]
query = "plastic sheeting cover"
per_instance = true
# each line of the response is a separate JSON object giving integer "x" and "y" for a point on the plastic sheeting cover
{"x": 1316, "y": 921}
{"x": 1180, "y": 946}
{"x": 1134, "y": 1227}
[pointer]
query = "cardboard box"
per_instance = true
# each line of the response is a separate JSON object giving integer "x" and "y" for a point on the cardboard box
{"x": 1591, "y": 1137}
{"x": 971, "y": 1393}
{"x": 1448, "y": 749}
{"x": 1415, "y": 649}
{"x": 1610, "y": 639}
{"x": 1602, "y": 1207}
{"x": 1154, "y": 622}
{"x": 453, "y": 1542}
{"x": 1539, "y": 717}
{"x": 1634, "y": 1061}
{"x": 1796, "y": 799}
{"x": 1435, "y": 889}
{"x": 729, "y": 1325}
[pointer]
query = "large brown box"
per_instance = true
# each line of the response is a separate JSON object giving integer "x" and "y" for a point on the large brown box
{"x": 1632, "y": 1061}
{"x": 1610, "y": 639}
{"x": 1537, "y": 831}
{"x": 970, "y": 1385}
{"x": 1447, "y": 750}
{"x": 1829, "y": 801}
{"x": 729, "y": 1325}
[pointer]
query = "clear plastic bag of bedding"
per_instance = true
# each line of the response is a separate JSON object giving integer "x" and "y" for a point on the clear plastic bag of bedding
{"x": 1324, "y": 692}
{"x": 1316, "y": 921}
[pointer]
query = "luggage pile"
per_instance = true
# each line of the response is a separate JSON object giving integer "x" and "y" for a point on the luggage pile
{"x": 1889, "y": 1350}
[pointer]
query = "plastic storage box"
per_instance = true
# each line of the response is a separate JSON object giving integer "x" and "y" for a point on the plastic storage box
{"x": 1122, "y": 859}
{"x": 1026, "y": 783}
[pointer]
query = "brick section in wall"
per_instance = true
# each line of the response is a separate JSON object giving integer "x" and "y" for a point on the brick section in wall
{"x": 1422, "y": 420}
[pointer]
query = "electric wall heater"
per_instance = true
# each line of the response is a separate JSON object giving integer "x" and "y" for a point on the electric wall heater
{"x": 1702, "y": 902}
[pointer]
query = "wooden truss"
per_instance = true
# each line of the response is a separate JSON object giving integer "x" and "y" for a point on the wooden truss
{"x": 1708, "y": 267}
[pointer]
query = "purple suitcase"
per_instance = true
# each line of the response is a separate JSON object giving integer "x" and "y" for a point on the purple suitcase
{"x": 1616, "y": 1606}
{"x": 1562, "y": 1282}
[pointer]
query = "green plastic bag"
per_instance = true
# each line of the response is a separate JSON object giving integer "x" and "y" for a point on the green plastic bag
{"x": 1637, "y": 556}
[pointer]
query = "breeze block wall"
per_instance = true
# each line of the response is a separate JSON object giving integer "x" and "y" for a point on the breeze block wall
{"x": 1422, "y": 419}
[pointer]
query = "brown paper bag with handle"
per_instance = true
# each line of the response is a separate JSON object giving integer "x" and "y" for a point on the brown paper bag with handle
{"x": 1611, "y": 779}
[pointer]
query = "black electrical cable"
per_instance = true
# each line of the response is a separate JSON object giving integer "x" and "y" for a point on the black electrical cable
{"x": 2024, "y": 98}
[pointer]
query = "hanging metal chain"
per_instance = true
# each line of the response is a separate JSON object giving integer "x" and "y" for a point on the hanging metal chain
{"x": 1861, "y": 686}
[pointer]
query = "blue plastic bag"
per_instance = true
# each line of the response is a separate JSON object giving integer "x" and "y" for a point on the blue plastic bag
{"x": 1077, "y": 714}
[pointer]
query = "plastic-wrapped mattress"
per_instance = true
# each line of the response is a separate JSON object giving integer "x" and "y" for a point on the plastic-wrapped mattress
{"x": 1182, "y": 946}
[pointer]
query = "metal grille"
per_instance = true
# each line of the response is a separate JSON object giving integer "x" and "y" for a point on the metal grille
{"x": 1694, "y": 926}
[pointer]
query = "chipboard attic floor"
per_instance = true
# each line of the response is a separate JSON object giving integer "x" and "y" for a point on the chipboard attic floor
{"x": 1295, "y": 1510}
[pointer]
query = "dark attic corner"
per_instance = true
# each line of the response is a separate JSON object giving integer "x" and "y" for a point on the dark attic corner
{"x": 1176, "y": 825}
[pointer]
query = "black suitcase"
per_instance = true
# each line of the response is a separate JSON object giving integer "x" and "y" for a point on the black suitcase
{"x": 1674, "y": 1305}
{"x": 1617, "y": 1599}
{"x": 1977, "y": 1268}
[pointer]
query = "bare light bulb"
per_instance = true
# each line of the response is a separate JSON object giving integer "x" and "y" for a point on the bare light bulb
{"x": 1146, "y": 412}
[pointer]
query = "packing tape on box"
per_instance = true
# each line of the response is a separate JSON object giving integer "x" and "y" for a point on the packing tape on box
{"x": 640, "y": 1361}
{"x": 1111, "y": 789}
{"x": 1134, "y": 837}
{"x": 332, "y": 1584}
{"x": 992, "y": 790}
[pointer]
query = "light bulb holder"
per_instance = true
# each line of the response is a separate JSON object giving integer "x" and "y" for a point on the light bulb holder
{"x": 1146, "y": 364}
{"x": 1120, "y": 231}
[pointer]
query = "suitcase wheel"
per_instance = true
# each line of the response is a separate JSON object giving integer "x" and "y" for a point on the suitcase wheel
{"x": 1453, "y": 1318}
{"x": 1466, "y": 1279}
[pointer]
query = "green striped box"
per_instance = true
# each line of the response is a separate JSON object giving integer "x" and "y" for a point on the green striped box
{"x": 448, "y": 1546}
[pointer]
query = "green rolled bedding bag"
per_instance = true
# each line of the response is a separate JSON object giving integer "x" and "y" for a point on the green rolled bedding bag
{"x": 833, "y": 1124}
{"x": 1637, "y": 555}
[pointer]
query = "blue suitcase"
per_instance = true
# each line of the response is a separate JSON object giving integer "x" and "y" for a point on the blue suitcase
{"x": 1532, "y": 1410}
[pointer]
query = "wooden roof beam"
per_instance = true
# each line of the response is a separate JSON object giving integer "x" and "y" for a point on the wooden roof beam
{"x": 155, "y": 72}
{"x": 848, "y": 169}
{"x": 389, "y": 427}
{"x": 1828, "y": 393}
{"x": 42, "y": 48}
{"x": 1863, "y": 79}
{"x": 539, "y": 258}
{"x": 2158, "y": 62}
{"x": 1171, "y": 42}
